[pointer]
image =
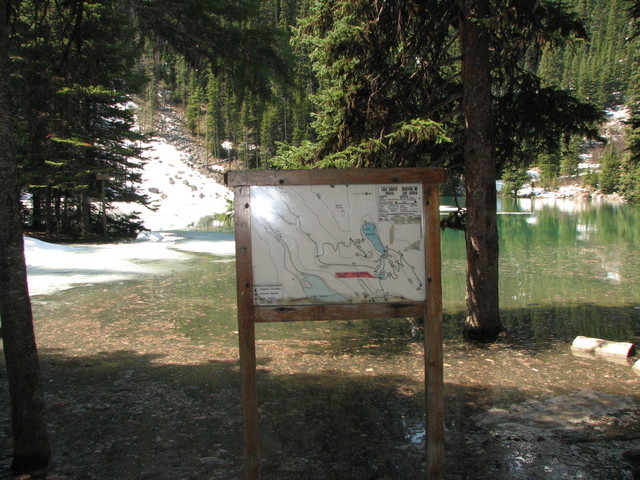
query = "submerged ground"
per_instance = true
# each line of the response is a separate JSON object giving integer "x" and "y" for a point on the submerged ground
{"x": 142, "y": 382}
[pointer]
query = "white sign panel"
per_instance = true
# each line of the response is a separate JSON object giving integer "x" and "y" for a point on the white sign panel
{"x": 337, "y": 244}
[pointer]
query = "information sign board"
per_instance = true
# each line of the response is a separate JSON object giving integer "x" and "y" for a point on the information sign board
{"x": 339, "y": 244}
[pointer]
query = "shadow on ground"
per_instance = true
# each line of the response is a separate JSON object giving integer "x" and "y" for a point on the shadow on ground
{"x": 122, "y": 415}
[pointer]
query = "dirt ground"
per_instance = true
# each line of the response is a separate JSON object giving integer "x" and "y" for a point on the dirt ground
{"x": 146, "y": 402}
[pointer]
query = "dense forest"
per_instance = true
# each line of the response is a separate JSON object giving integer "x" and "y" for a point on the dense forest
{"x": 599, "y": 65}
{"x": 603, "y": 68}
{"x": 290, "y": 83}
{"x": 79, "y": 71}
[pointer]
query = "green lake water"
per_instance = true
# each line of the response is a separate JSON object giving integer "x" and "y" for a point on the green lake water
{"x": 567, "y": 268}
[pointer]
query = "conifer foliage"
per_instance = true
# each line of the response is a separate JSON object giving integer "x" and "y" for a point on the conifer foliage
{"x": 604, "y": 69}
{"x": 78, "y": 66}
{"x": 244, "y": 94}
{"x": 630, "y": 179}
{"x": 599, "y": 68}
{"x": 296, "y": 83}
{"x": 74, "y": 77}
{"x": 385, "y": 68}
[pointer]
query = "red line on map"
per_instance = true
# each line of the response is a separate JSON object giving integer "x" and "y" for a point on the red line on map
{"x": 354, "y": 275}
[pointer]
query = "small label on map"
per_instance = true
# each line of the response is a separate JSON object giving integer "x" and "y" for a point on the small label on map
{"x": 267, "y": 294}
{"x": 354, "y": 275}
{"x": 400, "y": 202}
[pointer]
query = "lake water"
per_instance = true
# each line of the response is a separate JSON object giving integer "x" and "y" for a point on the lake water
{"x": 567, "y": 267}
{"x": 347, "y": 396}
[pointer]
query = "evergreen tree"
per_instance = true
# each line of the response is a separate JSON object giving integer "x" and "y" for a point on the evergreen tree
{"x": 513, "y": 180}
{"x": 600, "y": 69}
{"x": 243, "y": 44}
{"x": 195, "y": 100}
{"x": 549, "y": 165}
{"x": 482, "y": 321}
{"x": 385, "y": 100}
{"x": 631, "y": 165}
{"x": 213, "y": 116}
{"x": 610, "y": 172}
{"x": 371, "y": 110}
{"x": 570, "y": 159}
{"x": 630, "y": 181}
{"x": 78, "y": 102}
{"x": 76, "y": 70}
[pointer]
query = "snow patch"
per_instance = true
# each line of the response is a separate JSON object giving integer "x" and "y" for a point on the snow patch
{"x": 53, "y": 267}
{"x": 619, "y": 113}
{"x": 179, "y": 194}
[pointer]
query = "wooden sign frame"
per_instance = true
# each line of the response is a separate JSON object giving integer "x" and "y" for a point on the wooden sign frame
{"x": 430, "y": 310}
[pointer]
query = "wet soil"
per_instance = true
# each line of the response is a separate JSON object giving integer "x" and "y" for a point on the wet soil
{"x": 340, "y": 400}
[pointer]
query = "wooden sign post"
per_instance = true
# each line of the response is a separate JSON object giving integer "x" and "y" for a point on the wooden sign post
{"x": 338, "y": 245}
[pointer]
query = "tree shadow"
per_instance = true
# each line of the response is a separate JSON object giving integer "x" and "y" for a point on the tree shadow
{"x": 381, "y": 338}
{"x": 530, "y": 328}
{"x": 122, "y": 414}
{"x": 117, "y": 415}
{"x": 537, "y": 327}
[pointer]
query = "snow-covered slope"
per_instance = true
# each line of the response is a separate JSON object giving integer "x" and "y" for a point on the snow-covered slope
{"x": 181, "y": 194}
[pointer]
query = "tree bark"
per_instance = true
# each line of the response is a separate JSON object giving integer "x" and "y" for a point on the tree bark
{"x": 482, "y": 322}
{"x": 31, "y": 449}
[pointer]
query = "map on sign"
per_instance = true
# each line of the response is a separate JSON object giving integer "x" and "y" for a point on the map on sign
{"x": 337, "y": 244}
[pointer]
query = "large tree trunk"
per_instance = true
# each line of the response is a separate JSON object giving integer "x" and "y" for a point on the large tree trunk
{"x": 30, "y": 439}
{"x": 482, "y": 321}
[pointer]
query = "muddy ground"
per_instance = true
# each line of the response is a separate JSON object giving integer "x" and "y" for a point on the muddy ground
{"x": 146, "y": 402}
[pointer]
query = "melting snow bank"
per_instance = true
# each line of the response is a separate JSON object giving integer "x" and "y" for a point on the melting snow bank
{"x": 180, "y": 195}
{"x": 53, "y": 267}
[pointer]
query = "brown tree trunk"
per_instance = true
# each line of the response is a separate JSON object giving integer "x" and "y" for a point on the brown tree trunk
{"x": 482, "y": 322}
{"x": 30, "y": 440}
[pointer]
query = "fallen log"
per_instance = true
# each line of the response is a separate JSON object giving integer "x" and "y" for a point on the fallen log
{"x": 597, "y": 346}
{"x": 606, "y": 358}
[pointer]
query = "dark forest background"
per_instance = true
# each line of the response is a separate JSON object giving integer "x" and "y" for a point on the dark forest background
{"x": 293, "y": 83}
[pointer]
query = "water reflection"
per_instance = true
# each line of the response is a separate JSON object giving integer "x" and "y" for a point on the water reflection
{"x": 576, "y": 258}
{"x": 575, "y": 271}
